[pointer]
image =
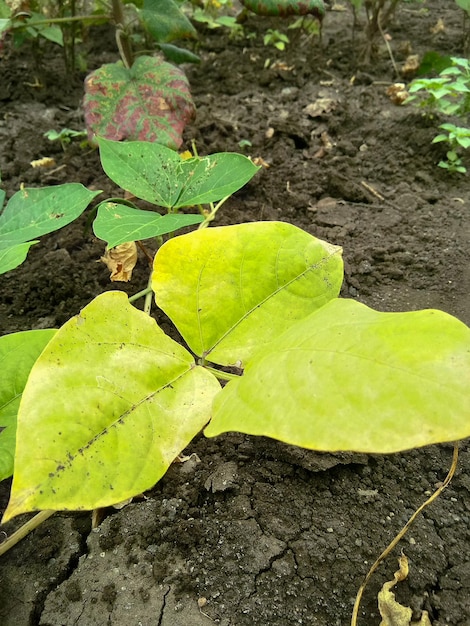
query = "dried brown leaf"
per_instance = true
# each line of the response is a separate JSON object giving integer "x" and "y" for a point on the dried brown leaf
{"x": 44, "y": 162}
{"x": 393, "y": 613}
{"x": 121, "y": 261}
{"x": 411, "y": 65}
{"x": 397, "y": 93}
{"x": 321, "y": 106}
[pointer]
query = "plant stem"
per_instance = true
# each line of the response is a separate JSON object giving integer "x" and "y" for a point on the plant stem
{"x": 221, "y": 375}
{"x": 212, "y": 214}
{"x": 403, "y": 531}
{"x": 122, "y": 39}
{"x": 148, "y": 296}
{"x": 24, "y": 530}
{"x": 140, "y": 294}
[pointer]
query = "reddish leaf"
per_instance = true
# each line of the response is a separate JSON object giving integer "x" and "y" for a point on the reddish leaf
{"x": 150, "y": 101}
{"x": 284, "y": 8}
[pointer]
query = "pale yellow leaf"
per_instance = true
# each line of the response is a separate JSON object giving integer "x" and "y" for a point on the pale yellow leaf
{"x": 393, "y": 613}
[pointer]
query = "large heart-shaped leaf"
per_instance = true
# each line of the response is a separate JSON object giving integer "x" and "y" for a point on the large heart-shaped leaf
{"x": 117, "y": 223}
{"x": 107, "y": 407}
{"x": 350, "y": 378}
{"x": 150, "y": 101}
{"x": 232, "y": 289}
{"x": 18, "y": 352}
{"x": 165, "y": 21}
{"x": 34, "y": 212}
{"x": 159, "y": 175}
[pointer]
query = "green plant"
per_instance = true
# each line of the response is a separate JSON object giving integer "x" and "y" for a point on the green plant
{"x": 449, "y": 93}
{"x": 457, "y": 137}
{"x": 161, "y": 21}
{"x": 31, "y": 213}
{"x": 110, "y": 400}
{"x": 28, "y": 25}
{"x": 65, "y": 135}
{"x": 198, "y": 181}
{"x": 275, "y": 38}
{"x": 150, "y": 171}
{"x": 216, "y": 14}
{"x": 378, "y": 16}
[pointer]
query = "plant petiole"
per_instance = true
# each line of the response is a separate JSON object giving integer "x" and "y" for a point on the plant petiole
{"x": 220, "y": 375}
{"x": 24, "y": 530}
{"x": 211, "y": 215}
{"x": 140, "y": 294}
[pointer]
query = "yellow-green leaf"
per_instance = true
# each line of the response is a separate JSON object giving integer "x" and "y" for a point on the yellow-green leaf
{"x": 107, "y": 407}
{"x": 350, "y": 378}
{"x": 232, "y": 289}
{"x": 18, "y": 352}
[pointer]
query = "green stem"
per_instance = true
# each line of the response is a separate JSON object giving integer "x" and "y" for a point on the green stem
{"x": 24, "y": 530}
{"x": 122, "y": 39}
{"x": 58, "y": 20}
{"x": 140, "y": 294}
{"x": 212, "y": 214}
{"x": 148, "y": 296}
{"x": 221, "y": 375}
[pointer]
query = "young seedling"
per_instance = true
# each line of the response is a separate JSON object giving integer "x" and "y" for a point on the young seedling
{"x": 457, "y": 138}
{"x": 65, "y": 136}
{"x": 275, "y": 38}
{"x": 448, "y": 94}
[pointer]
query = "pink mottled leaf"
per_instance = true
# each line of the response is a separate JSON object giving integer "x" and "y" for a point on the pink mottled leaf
{"x": 284, "y": 8}
{"x": 150, "y": 101}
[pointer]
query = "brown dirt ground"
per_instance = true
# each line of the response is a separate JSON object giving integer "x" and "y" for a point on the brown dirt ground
{"x": 268, "y": 534}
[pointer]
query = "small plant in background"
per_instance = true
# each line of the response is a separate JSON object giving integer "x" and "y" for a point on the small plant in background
{"x": 65, "y": 22}
{"x": 465, "y": 6}
{"x": 457, "y": 138}
{"x": 217, "y": 14}
{"x": 275, "y": 38}
{"x": 449, "y": 95}
{"x": 378, "y": 15}
{"x": 65, "y": 136}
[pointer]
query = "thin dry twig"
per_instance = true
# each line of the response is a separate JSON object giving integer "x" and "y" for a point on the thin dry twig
{"x": 402, "y": 533}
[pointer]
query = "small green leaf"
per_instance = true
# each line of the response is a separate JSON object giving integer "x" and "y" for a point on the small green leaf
{"x": 14, "y": 255}
{"x": 5, "y": 24}
{"x": 159, "y": 175}
{"x": 350, "y": 378}
{"x": 150, "y": 101}
{"x": 34, "y": 212}
{"x": 18, "y": 352}
{"x": 178, "y": 55}
{"x": 117, "y": 223}
{"x": 107, "y": 407}
{"x": 165, "y": 21}
{"x": 232, "y": 289}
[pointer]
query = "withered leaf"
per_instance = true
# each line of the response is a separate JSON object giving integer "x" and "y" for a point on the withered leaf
{"x": 121, "y": 261}
{"x": 393, "y": 613}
